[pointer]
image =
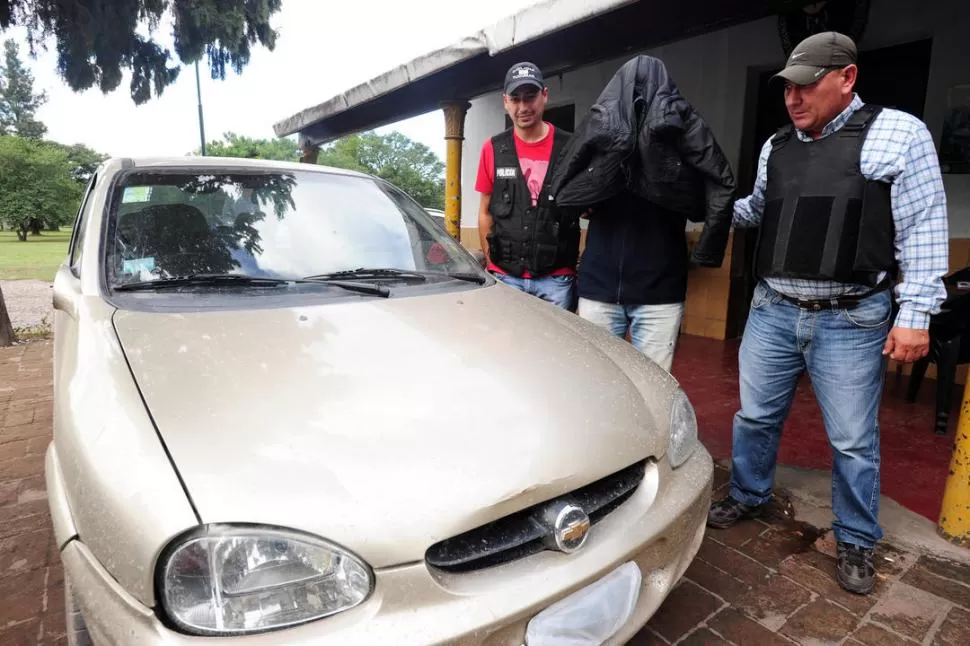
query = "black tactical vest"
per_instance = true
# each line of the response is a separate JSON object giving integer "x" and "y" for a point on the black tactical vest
{"x": 524, "y": 238}
{"x": 823, "y": 220}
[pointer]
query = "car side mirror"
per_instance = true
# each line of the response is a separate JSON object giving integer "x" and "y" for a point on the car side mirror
{"x": 66, "y": 291}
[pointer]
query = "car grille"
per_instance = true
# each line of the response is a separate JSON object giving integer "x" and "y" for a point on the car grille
{"x": 525, "y": 532}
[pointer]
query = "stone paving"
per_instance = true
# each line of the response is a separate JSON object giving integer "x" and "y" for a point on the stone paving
{"x": 768, "y": 582}
{"x": 772, "y": 581}
{"x": 31, "y": 580}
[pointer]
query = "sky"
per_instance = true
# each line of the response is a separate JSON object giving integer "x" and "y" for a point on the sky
{"x": 323, "y": 49}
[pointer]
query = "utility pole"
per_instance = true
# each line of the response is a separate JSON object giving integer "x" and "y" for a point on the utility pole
{"x": 198, "y": 92}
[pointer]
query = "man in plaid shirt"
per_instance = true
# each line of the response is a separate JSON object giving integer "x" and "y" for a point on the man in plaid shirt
{"x": 850, "y": 204}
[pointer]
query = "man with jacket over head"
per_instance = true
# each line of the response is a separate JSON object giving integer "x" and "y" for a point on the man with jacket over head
{"x": 847, "y": 198}
{"x": 528, "y": 242}
{"x": 644, "y": 162}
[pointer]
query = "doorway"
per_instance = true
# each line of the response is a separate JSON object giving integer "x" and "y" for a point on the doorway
{"x": 894, "y": 77}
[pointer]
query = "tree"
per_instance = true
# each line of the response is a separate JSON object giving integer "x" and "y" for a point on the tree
{"x": 18, "y": 103}
{"x": 407, "y": 164}
{"x": 36, "y": 187}
{"x": 83, "y": 161}
{"x": 97, "y": 39}
{"x": 233, "y": 145}
{"x": 7, "y": 337}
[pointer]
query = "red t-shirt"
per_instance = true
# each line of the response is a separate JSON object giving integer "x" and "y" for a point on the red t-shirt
{"x": 534, "y": 161}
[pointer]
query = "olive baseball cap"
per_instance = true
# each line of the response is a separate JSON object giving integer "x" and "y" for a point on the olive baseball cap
{"x": 816, "y": 55}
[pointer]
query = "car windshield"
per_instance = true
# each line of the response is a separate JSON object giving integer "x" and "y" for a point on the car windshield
{"x": 268, "y": 224}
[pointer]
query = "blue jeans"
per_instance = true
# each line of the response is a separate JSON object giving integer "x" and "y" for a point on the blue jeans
{"x": 653, "y": 328}
{"x": 842, "y": 352}
{"x": 558, "y": 290}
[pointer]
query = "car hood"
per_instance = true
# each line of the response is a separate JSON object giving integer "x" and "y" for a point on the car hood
{"x": 388, "y": 425}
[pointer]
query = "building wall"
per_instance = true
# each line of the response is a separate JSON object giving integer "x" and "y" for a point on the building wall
{"x": 712, "y": 72}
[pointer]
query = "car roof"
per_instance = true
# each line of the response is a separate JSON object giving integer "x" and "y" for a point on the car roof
{"x": 241, "y": 163}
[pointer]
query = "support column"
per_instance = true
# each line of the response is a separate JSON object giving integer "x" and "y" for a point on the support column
{"x": 309, "y": 152}
{"x": 955, "y": 512}
{"x": 454, "y": 136}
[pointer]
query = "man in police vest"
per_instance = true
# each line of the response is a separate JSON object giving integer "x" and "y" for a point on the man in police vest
{"x": 849, "y": 199}
{"x": 527, "y": 242}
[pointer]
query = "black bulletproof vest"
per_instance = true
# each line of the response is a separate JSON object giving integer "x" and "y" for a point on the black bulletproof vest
{"x": 524, "y": 238}
{"x": 823, "y": 220}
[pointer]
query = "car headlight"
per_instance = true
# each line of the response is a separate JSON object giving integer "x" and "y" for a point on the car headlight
{"x": 683, "y": 429}
{"x": 232, "y": 579}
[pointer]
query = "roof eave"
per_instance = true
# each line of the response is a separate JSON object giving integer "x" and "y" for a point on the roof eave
{"x": 525, "y": 26}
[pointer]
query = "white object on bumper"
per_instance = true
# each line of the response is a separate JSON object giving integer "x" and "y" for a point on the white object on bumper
{"x": 591, "y": 615}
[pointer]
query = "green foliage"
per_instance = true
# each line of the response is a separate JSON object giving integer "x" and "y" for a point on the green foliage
{"x": 410, "y": 165}
{"x": 18, "y": 103}
{"x": 407, "y": 164}
{"x": 83, "y": 160}
{"x": 233, "y": 145}
{"x": 97, "y": 39}
{"x": 36, "y": 185}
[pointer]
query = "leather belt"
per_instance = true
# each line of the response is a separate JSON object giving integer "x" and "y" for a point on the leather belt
{"x": 837, "y": 303}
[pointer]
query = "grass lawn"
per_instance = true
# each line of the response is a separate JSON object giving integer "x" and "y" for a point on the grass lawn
{"x": 38, "y": 258}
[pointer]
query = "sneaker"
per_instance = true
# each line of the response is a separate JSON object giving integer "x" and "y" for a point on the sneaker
{"x": 855, "y": 571}
{"x": 727, "y": 511}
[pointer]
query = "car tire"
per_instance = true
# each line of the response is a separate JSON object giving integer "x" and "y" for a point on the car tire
{"x": 77, "y": 630}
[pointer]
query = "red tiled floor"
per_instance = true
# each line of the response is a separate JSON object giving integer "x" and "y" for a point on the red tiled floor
{"x": 915, "y": 460}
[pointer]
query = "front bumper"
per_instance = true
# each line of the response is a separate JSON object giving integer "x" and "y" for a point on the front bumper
{"x": 660, "y": 529}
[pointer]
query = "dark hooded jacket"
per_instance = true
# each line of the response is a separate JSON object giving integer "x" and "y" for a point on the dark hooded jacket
{"x": 642, "y": 136}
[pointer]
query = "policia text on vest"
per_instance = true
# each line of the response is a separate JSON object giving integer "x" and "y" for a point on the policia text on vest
{"x": 524, "y": 238}
{"x": 823, "y": 220}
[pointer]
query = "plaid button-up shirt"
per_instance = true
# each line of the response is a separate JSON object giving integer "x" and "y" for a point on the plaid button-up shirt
{"x": 898, "y": 149}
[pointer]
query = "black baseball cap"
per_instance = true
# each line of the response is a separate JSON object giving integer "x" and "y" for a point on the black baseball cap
{"x": 816, "y": 55}
{"x": 523, "y": 74}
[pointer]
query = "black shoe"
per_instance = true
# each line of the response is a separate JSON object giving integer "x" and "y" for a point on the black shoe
{"x": 727, "y": 511}
{"x": 855, "y": 571}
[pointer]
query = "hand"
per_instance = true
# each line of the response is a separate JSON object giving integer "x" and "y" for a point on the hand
{"x": 906, "y": 344}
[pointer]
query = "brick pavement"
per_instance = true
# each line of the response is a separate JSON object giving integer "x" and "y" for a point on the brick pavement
{"x": 772, "y": 581}
{"x": 766, "y": 582}
{"x": 31, "y": 580}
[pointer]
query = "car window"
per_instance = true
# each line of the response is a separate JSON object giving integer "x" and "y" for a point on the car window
{"x": 80, "y": 225}
{"x": 292, "y": 224}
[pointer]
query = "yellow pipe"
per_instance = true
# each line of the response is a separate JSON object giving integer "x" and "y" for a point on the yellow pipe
{"x": 453, "y": 189}
{"x": 955, "y": 512}
{"x": 454, "y": 136}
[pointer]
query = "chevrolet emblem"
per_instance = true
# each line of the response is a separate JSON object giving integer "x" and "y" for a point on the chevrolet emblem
{"x": 571, "y": 528}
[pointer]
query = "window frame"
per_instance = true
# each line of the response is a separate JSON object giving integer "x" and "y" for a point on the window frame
{"x": 75, "y": 252}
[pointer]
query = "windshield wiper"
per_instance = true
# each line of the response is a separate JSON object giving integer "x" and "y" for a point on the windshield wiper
{"x": 202, "y": 279}
{"x": 466, "y": 276}
{"x": 367, "y": 272}
{"x": 382, "y": 272}
{"x": 243, "y": 280}
{"x": 363, "y": 288}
